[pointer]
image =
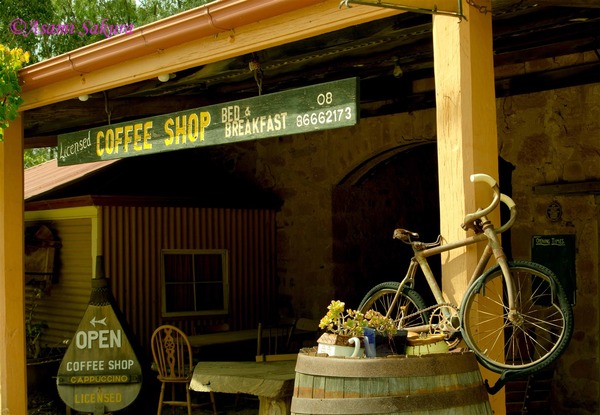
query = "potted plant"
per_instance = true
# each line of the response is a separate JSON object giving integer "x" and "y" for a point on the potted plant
{"x": 42, "y": 360}
{"x": 345, "y": 329}
{"x": 34, "y": 329}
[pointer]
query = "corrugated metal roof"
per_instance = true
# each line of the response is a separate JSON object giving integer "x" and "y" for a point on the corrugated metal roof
{"x": 48, "y": 176}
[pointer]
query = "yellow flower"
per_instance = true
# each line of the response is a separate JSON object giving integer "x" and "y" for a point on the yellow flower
{"x": 11, "y": 60}
{"x": 349, "y": 322}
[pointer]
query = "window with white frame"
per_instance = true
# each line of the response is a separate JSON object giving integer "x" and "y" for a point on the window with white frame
{"x": 194, "y": 282}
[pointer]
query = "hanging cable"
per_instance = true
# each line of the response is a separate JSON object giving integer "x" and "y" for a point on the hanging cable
{"x": 258, "y": 74}
{"x": 108, "y": 113}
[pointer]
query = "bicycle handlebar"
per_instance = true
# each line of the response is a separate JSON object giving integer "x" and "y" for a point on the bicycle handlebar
{"x": 472, "y": 217}
{"x": 498, "y": 197}
{"x": 480, "y": 177}
{"x": 513, "y": 213}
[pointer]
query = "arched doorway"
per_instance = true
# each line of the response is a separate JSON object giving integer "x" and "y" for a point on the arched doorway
{"x": 398, "y": 189}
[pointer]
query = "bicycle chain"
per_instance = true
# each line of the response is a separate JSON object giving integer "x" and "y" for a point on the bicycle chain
{"x": 451, "y": 333}
{"x": 426, "y": 309}
{"x": 448, "y": 305}
{"x": 451, "y": 343}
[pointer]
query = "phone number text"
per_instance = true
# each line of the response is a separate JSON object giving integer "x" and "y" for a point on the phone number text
{"x": 324, "y": 117}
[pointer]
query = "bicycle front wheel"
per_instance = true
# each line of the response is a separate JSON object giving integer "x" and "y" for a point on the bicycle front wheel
{"x": 380, "y": 298}
{"x": 534, "y": 336}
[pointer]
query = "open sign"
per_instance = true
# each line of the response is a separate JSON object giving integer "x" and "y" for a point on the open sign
{"x": 100, "y": 371}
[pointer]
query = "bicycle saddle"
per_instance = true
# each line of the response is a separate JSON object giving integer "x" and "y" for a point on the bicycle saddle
{"x": 405, "y": 236}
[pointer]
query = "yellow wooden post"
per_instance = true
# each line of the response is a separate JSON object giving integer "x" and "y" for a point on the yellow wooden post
{"x": 466, "y": 137}
{"x": 13, "y": 385}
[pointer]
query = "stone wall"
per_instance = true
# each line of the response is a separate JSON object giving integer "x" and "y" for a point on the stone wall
{"x": 304, "y": 170}
{"x": 550, "y": 137}
{"x": 554, "y": 137}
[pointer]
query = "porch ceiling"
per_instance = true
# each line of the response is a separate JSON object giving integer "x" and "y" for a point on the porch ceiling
{"x": 392, "y": 57}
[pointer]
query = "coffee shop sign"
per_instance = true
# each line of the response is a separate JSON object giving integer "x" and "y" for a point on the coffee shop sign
{"x": 318, "y": 107}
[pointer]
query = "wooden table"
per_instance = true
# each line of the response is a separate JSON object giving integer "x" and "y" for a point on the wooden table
{"x": 272, "y": 382}
{"x": 222, "y": 337}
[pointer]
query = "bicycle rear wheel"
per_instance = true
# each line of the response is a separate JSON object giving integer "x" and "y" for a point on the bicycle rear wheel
{"x": 380, "y": 298}
{"x": 541, "y": 331}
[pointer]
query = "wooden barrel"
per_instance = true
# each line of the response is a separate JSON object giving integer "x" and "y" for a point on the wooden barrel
{"x": 444, "y": 384}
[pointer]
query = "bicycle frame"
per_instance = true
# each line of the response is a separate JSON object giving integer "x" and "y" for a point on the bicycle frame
{"x": 493, "y": 248}
{"x": 515, "y": 316}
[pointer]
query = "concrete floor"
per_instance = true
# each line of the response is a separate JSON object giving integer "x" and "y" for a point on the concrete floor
{"x": 227, "y": 404}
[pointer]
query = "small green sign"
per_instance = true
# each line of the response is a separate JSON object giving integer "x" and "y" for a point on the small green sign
{"x": 557, "y": 252}
{"x": 318, "y": 107}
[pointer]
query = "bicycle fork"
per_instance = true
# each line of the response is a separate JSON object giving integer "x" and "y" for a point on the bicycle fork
{"x": 408, "y": 278}
{"x": 495, "y": 248}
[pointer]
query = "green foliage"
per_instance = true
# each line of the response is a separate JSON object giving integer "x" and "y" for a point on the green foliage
{"x": 11, "y": 60}
{"x": 26, "y": 10}
{"x": 35, "y": 156}
{"x": 349, "y": 322}
{"x": 33, "y": 328}
{"x": 153, "y": 10}
{"x": 90, "y": 22}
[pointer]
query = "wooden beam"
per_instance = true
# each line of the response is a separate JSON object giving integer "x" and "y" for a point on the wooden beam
{"x": 449, "y": 7}
{"x": 93, "y": 112}
{"x": 289, "y": 27}
{"x": 577, "y": 188}
{"x": 570, "y": 3}
{"x": 41, "y": 141}
{"x": 466, "y": 137}
{"x": 13, "y": 385}
{"x": 466, "y": 127}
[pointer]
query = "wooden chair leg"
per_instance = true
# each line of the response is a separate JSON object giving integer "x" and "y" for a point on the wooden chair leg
{"x": 173, "y": 397}
{"x": 160, "y": 398}
{"x": 188, "y": 398}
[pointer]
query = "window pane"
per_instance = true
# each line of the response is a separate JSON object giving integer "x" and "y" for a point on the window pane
{"x": 194, "y": 282}
{"x": 208, "y": 267}
{"x": 209, "y": 296}
{"x": 178, "y": 268}
{"x": 179, "y": 297}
